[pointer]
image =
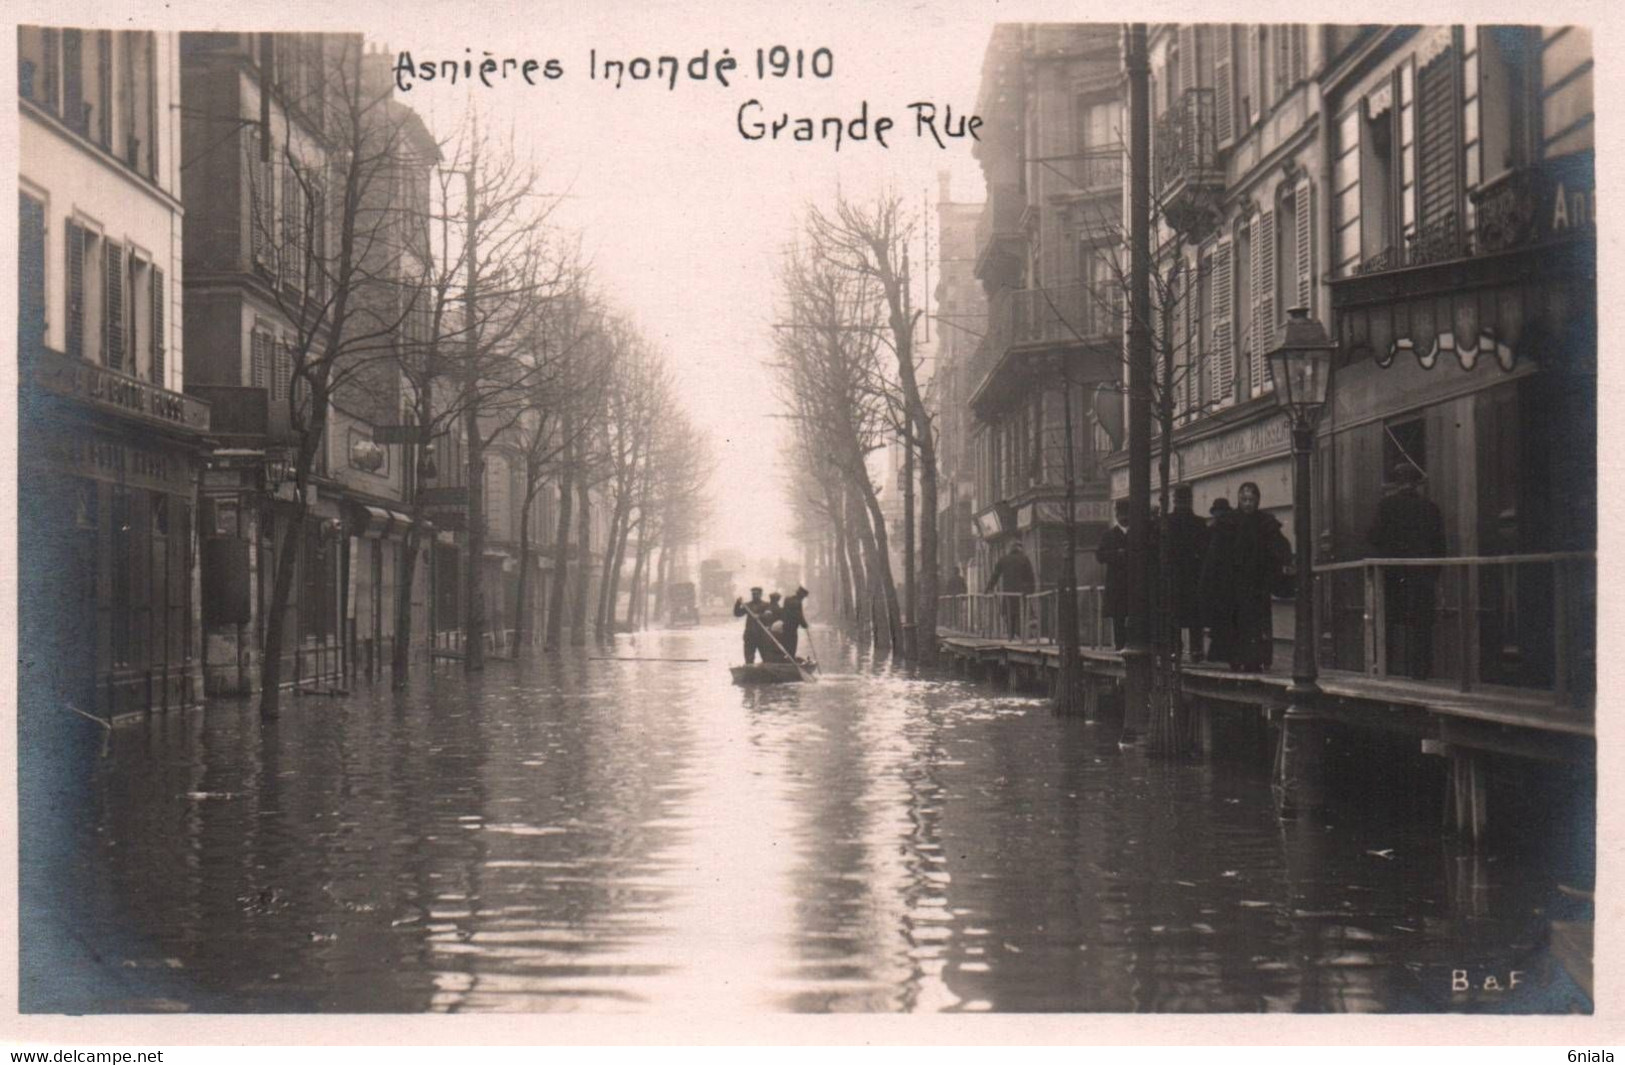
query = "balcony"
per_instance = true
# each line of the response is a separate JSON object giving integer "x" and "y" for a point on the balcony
{"x": 246, "y": 416}
{"x": 1187, "y": 174}
{"x": 1000, "y": 246}
{"x": 1029, "y": 329}
{"x": 117, "y": 394}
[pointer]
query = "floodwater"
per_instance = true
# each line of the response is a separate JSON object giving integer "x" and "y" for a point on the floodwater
{"x": 580, "y": 835}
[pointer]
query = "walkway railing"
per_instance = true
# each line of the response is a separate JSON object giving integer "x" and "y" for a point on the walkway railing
{"x": 1031, "y": 619}
{"x": 1519, "y": 622}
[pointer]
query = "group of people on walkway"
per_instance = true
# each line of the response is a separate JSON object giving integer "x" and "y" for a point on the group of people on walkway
{"x": 1222, "y": 574}
{"x": 772, "y": 625}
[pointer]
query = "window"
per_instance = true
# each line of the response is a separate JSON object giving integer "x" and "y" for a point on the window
{"x": 114, "y": 351}
{"x": 259, "y": 358}
{"x": 1378, "y": 233}
{"x": 30, "y": 274}
{"x": 75, "y": 109}
{"x": 158, "y": 338}
{"x": 108, "y": 96}
{"x": 1243, "y": 306}
{"x": 1438, "y": 139}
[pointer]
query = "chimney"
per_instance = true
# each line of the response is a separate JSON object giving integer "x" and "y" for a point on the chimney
{"x": 945, "y": 180}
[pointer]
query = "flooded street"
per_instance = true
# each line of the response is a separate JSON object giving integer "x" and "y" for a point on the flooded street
{"x": 625, "y": 836}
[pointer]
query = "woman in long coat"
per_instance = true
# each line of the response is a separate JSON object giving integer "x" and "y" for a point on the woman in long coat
{"x": 1246, "y": 557}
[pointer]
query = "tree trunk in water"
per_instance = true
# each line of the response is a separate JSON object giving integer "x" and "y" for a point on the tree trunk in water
{"x": 474, "y": 587}
{"x": 911, "y": 603}
{"x": 662, "y": 577}
{"x": 862, "y": 602}
{"x": 406, "y": 569}
{"x": 604, "y": 616}
{"x": 880, "y": 563}
{"x": 286, "y": 560}
{"x": 877, "y": 567}
{"x": 522, "y": 623}
{"x": 635, "y": 595}
{"x": 561, "y": 554}
{"x": 583, "y": 574}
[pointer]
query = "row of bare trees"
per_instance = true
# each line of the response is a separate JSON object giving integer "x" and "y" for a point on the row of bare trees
{"x": 425, "y": 288}
{"x": 849, "y": 376}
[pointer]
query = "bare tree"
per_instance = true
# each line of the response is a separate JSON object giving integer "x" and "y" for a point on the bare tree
{"x": 871, "y": 241}
{"x": 828, "y": 360}
{"x": 333, "y": 245}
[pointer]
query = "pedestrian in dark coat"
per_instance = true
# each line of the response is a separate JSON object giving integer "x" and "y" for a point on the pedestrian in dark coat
{"x": 1221, "y": 634}
{"x": 1013, "y": 574}
{"x": 955, "y": 584}
{"x": 1187, "y": 545}
{"x": 755, "y": 636}
{"x": 794, "y": 619}
{"x": 1246, "y": 557}
{"x": 1113, "y": 555}
{"x": 1409, "y": 526}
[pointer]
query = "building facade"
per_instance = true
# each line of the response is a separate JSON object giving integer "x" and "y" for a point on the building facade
{"x": 1046, "y": 256}
{"x": 960, "y": 321}
{"x": 110, "y": 448}
{"x": 1427, "y": 193}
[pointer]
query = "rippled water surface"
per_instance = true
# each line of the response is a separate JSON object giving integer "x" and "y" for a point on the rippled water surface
{"x": 591, "y": 835}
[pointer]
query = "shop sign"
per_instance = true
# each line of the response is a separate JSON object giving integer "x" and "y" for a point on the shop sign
{"x": 118, "y": 393}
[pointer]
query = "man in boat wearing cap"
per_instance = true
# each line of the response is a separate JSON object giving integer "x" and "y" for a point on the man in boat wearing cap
{"x": 793, "y": 619}
{"x": 758, "y": 610}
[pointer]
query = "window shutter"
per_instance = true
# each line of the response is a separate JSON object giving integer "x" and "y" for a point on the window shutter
{"x": 1264, "y": 297}
{"x": 1304, "y": 242}
{"x": 1224, "y": 88}
{"x": 1439, "y": 143}
{"x": 158, "y": 328}
{"x": 31, "y": 275}
{"x": 1224, "y": 360}
{"x": 283, "y": 372}
{"x": 113, "y": 306}
{"x": 76, "y": 291}
{"x": 52, "y": 91}
{"x": 1252, "y": 92}
{"x": 1298, "y": 44}
{"x": 288, "y": 261}
{"x": 104, "y": 87}
{"x": 259, "y": 356}
{"x": 1187, "y": 59}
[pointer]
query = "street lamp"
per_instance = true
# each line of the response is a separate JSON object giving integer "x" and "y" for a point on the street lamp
{"x": 1301, "y": 366}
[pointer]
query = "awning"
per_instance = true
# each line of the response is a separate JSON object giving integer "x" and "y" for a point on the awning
{"x": 377, "y": 521}
{"x": 380, "y": 523}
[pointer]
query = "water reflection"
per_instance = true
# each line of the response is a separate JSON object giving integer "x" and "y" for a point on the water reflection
{"x": 589, "y": 835}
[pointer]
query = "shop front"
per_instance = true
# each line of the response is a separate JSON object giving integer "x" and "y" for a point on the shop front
{"x": 108, "y": 596}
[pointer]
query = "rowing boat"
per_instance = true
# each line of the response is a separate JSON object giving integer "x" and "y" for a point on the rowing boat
{"x": 772, "y": 672}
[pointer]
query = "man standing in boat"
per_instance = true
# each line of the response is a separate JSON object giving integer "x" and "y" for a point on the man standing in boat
{"x": 795, "y": 619}
{"x": 755, "y": 614}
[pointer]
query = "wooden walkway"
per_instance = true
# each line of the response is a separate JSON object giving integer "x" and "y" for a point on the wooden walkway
{"x": 1525, "y": 724}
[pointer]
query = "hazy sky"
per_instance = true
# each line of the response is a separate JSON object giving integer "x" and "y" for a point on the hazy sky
{"x": 682, "y": 217}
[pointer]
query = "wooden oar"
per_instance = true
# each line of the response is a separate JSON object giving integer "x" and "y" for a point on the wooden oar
{"x": 596, "y": 659}
{"x": 802, "y": 673}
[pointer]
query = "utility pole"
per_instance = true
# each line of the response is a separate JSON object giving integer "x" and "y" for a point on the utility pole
{"x": 1137, "y": 653}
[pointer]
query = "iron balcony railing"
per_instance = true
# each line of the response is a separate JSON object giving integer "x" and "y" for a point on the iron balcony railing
{"x": 1001, "y": 215}
{"x": 1063, "y": 314}
{"x": 1185, "y": 147}
{"x": 1100, "y": 169}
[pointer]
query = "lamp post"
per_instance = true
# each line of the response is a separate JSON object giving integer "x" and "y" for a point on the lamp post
{"x": 1301, "y": 366}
